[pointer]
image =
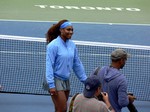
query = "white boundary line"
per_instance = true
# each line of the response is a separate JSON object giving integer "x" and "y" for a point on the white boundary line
{"x": 76, "y": 22}
{"x": 24, "y": 38}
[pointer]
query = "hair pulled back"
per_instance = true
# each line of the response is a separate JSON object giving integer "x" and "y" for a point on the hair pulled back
{"x": 54, "y": 31}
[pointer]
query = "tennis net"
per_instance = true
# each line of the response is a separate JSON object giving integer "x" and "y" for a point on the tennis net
{"x": 22, "y": 65}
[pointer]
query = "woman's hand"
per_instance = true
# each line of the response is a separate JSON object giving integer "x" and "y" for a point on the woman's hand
{"x": 52, "y": 91}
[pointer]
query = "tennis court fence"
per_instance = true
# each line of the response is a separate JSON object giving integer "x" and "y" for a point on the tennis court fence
{"x": 22, "y": 65}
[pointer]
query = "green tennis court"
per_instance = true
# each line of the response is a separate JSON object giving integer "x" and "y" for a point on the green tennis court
{"x": 99, "y": 11}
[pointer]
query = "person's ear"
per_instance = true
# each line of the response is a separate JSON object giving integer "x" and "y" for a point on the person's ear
{"x": 60, "y": 30}
{"x": 120, "y": 61}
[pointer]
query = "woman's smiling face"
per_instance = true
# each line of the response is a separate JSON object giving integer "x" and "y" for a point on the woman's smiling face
{"x": 66, "y": 33}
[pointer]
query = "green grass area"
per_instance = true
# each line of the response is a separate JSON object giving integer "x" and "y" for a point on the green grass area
{"x": 113, "y": 11}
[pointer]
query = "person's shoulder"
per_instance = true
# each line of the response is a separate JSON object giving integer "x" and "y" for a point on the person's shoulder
{"x": 71, "y": 42}
{"x": 102, "y": 70}
{"x": 104, "y": 67}
{"x": 53, "y": 43}
{"x": 79, "y": 95}
{"x": 52, "y": 46}
{"x": 56, "y": 40}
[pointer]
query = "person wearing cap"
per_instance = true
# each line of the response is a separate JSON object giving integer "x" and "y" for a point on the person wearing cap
{"x": 88, "y": 101}
{"x": 61, "y": 58}
{"x": 114, "y": 82}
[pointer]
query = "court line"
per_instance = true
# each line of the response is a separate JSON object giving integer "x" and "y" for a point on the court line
{"x": 76, "y": 22}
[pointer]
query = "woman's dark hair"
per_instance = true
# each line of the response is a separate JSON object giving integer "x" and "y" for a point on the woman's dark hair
{"x": 54, "y": 31}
